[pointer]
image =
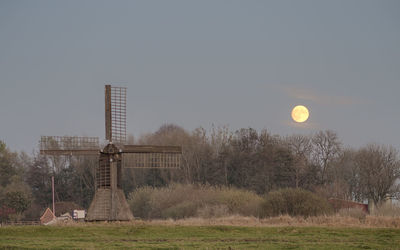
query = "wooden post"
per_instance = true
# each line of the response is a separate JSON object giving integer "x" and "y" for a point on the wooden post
{"x": 52, "y": 187}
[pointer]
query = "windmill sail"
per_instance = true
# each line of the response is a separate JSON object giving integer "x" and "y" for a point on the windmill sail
{"x": 146, "y": 156}
{"x": 115, "y": 114}
{"x": 69, "y": 145}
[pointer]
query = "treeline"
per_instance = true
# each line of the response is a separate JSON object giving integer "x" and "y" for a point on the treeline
{"x": 247, "y": 159}
{"x": 262, "y": 162}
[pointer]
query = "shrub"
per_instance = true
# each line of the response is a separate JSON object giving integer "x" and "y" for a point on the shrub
{"x": 17, "y": 200}
{"x": 181, "y": 201}
{"x": 139, "y": 202}
{"x": 239, "y": 201}
{"x": 294, "y": 202}
{"x": 183, "y": 209}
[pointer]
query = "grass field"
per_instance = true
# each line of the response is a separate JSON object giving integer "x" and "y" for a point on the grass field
{"x": 153, "y": 236}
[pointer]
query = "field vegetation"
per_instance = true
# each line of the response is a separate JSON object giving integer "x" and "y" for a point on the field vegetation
{"x": 173, "y": 235}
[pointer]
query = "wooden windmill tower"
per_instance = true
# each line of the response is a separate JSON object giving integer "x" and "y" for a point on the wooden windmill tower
{"x": 109, "y": 201}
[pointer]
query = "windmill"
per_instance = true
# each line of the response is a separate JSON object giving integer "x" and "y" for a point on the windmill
{"x": 109, "y": 202}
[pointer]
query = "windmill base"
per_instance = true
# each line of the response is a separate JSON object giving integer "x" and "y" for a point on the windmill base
{"x": 109, "y": 205}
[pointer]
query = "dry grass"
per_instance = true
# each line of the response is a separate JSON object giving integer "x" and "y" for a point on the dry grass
{"x": 389, "y": 210}
{"x": 353, "y": 213}
{"x": 285, "y": 220}
{"x": 336, "y": 221}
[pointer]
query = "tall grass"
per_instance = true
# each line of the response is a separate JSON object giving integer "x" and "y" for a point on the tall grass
{"x": 282, "y": 221}
{"x": 386, "y": 209}
{"x": 353, "y": 213}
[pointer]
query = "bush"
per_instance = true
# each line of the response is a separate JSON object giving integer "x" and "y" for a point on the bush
{"x": 294, "y": 202}
{"x": 183, "y": 209}
{"x": 181, "y": 201}
{"x": 242, "y": 202}
{"x": 139, "y": 202}
{"x": 17, "y": 200}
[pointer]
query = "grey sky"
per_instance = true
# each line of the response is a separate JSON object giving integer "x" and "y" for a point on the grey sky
{"x": 197, "y": 63}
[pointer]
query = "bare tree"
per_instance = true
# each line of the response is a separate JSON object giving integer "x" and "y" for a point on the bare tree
{"x": 379, "y": 168}
{"x": 346, "y": 177}
{"x": 220, "y": 139}
{"x": 326, "y": 148}
{"x": 301, "y": 148}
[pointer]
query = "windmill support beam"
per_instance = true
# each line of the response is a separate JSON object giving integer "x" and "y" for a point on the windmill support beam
{"x": 108, "y": 116}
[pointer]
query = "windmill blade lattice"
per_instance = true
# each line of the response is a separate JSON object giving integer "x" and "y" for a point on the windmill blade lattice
{"x": 148, "y": 156}
{"x": 115, "y": 114}
{"x": 69, "y": 145}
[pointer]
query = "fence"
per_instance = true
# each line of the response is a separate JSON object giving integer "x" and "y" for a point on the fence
{"x": 19, "y": 223}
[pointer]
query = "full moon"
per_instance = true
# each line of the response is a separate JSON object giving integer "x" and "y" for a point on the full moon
{"x": 300, "y": 113}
